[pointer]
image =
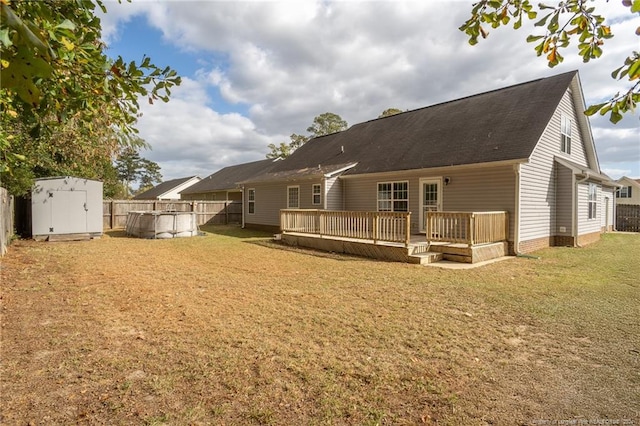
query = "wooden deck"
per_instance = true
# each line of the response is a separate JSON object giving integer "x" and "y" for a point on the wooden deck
{"x": 418, "y": 251}
{"x": 467, "y": 237}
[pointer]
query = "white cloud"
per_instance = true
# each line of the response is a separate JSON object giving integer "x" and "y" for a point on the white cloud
{"x": 290, "y": 61}
{"x": 190, "y": 138}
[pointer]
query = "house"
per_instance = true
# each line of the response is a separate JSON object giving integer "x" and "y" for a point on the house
{"x": 223, "y": 184}
{"x": 628, "y": 205}
{"x": 525, "y": 151}
{"x": 169, "y": 190}
{"x": 629, "y": 192}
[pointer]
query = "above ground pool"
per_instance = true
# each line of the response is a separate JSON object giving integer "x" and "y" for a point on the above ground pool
{"x": 161, "y": 224}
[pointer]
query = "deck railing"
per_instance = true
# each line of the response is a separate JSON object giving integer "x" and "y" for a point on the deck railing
{"x": 471, "y": 228}
{"x": 376, "y": 226}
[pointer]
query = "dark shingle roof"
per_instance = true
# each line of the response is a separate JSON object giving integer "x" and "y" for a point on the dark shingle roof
{"x": 229, "y": 177}
{"x": 161, "y": 188}
{"x": 500, "y": 125}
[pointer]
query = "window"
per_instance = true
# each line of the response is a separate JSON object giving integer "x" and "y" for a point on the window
{"x": 624, "y": 192}
{"x": 316, "y": 192}
{"x": 251, "y": 197}
{"x": 565, "y": 135}
{"x": 593, "y": 200}
{"x": 393, "y": 197}
{"x": 293, "y": 197}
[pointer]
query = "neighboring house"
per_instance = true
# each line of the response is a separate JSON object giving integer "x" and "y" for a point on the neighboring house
{"x": 169, "y": 190}
{"x": 527, "y": 149}
{"x": 629, "y": 193}
{"x": 223, "y": 184}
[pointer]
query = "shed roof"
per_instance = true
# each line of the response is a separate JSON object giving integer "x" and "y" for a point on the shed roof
{"x": 499, "y": 125}
{"x": 229, "y": 177}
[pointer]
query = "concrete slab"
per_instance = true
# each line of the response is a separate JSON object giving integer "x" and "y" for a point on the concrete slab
{"x": 447, "y": 264}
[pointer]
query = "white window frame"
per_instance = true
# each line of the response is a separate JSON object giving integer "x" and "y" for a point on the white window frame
{"x": 251, "y": 201}
{"x": 289, "y": 199}
{"x": 392, "y": 200}
{"x": 624, "y": 192}
{"x": 317, "y": 194}
{"x": 592, "y": 207}
{"x": 565, "y": 134}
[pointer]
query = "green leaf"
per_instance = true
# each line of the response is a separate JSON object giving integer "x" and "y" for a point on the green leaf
{"x": 615, "y": 117}
{"x": 518, "y": 23}
{"x": 533, "y": 38}
{"x": 634, "y": 70}
{"x": 594, "y": 108}
{"x": 4, "y": 37}
{"x": 67, "y": 25}
{"x": 542, "y": 21}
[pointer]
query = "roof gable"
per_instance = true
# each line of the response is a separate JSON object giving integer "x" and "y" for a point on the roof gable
{"x": 627, "y": 181}
{"x": 163, "y": 188}
{"x": 501, "y": 125}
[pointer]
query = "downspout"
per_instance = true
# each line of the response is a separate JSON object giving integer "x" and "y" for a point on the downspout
{"x": 516, "y": 226}
{"x": 242, "y": 196}
{"x": 574, "y": 206}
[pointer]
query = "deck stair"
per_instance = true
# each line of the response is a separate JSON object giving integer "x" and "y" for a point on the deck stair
{"x": 425, "y": 258}
{"x": 419, "y": 253}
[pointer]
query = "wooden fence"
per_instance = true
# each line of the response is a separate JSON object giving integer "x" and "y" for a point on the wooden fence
{"x": 114, "y": 212}
{"x": 628, "y": 217}
{"x": 6, "y": 219}
{"x": 471, "y": 228}
{"x": 376, "y": 226}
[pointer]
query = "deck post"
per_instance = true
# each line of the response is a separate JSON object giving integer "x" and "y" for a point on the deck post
{"x": 408, "y": 230}
{"x": 375, "y": 228}
{"x": 320, "y": 219}
{"x": 472, "y": 229}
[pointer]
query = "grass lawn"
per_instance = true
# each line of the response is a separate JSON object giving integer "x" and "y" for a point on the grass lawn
{"x": 231, "y": 328}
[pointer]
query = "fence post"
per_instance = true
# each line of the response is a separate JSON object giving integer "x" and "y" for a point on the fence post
{"x": 113, "y": 214}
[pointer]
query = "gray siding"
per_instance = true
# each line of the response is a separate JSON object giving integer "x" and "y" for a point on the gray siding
{"x": 564, "y": 201}
{"x": 607, "y": 208}
{"x": 272, "y": 197}
{"x": 333, "y": 193}
{"x": 538, "y": 184}
{"x": 471, "y": 189}
{"x": 586, "y": 225}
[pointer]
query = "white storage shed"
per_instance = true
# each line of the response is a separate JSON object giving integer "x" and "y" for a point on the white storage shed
{"x": 66, "y": 206}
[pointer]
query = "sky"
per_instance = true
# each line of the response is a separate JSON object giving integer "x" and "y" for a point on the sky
{"x": 254, "y": 72}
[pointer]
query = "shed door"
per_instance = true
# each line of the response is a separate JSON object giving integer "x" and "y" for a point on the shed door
{"x": 68, "y": 212}
{"x": 430, "y": 199}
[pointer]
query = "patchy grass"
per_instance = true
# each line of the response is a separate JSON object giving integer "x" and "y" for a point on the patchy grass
{"x": 231, "y": 328}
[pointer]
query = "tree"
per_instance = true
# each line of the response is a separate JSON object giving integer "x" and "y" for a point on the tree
{"x": 56, "y": 80}
{"x": 389, "y": 111}
{"x": 323, "y": 124}
{"x": 132, "y": 168}
{"x": 327, "y": 123}
{"x": 279, "y": 151}
{"x": 562, "y": 22}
